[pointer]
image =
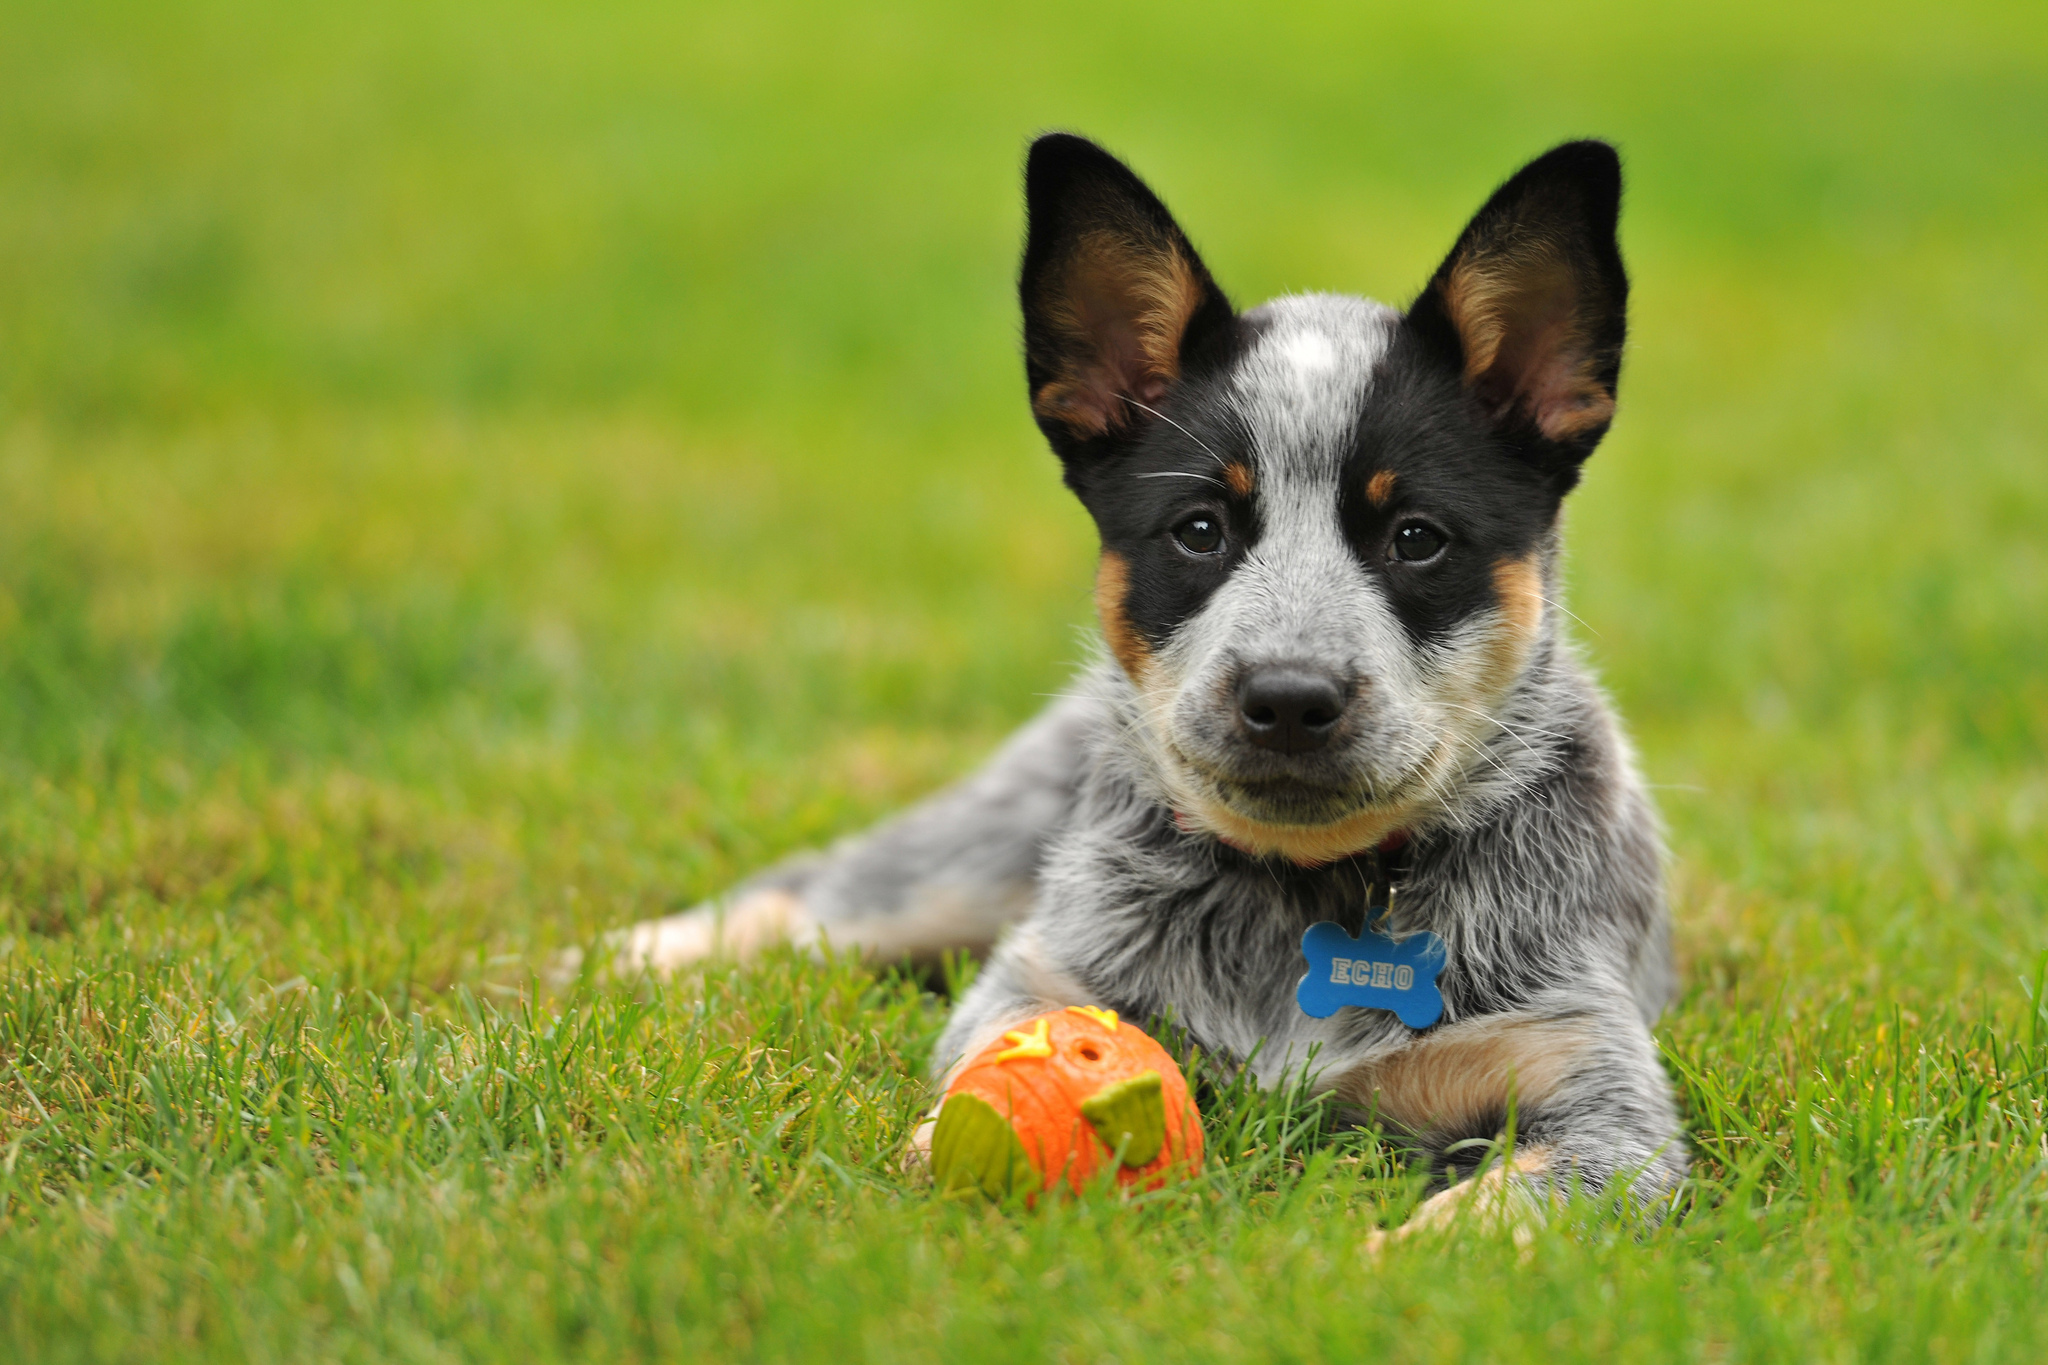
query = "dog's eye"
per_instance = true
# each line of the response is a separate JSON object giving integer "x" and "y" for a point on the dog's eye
{"x": 1201, "y": 534}
{"x": 1417, "y": 542}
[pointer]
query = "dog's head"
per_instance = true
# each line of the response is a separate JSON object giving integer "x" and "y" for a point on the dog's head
{"x": 1327, "y": 526}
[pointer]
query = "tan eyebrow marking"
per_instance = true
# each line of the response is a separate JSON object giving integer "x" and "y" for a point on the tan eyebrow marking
{"x": 1380, "y": 488}
{"x": 1238, "y": 475}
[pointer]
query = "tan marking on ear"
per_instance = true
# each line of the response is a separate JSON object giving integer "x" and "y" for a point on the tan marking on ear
{"x": 1480, "y": 291}
{"x": 1462, "y": 1075}
{"x": 1112, "y": 586}
{"x": 1125, "y": 305}
{"x": 1238, "y": 475}
{"x": 1167, "y": 294}
{"x": 1571, "y": 406}
{"x": 1546, "y": 366}
{"x": 1380, "y": 488}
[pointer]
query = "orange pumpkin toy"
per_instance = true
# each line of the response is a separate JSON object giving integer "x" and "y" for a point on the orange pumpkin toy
{"x": 1057, "y": 1099}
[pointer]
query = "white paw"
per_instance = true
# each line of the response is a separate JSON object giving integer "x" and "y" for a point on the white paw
{"x": 917, "y": 1153}
{"x": 756, "y": 922}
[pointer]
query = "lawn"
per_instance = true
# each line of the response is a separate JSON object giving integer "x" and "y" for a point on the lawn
{"x": 474, "y": 475}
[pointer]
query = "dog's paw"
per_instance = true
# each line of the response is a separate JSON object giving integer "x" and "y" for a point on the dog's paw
{"x": 917, "y": 1153}
{"x": 661, "y": 946}
{"x": 758, "y": 921}
{"x": 1493, "y": 1202}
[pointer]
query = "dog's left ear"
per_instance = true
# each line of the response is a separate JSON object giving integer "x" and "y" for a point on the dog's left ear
{"x": 1532, "y": 306}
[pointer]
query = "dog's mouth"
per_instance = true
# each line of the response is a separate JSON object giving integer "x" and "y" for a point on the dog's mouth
{"x": 1309, "y": 808}
{"x": 1306, "y": 822}
{"x": 1297, "y": 801}
{"x": 1290, "y": 803}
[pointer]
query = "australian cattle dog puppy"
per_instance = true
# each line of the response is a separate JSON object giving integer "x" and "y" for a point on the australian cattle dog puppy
{"x": 1329, "y": 595}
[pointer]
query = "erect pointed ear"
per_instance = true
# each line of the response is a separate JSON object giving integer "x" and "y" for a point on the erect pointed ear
{"x": 1117, "y": 305}
{"x": 1532, "y": 305}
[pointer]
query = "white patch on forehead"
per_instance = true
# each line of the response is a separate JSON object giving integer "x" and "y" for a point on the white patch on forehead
{"x": 1302, "y": 385}
{"x": 1310, "y": 352}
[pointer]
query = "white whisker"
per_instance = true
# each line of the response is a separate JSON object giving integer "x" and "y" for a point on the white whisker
{"x": 1177, "y": 474}
{"x": 1502, "y": 724}
{"x": 1481, "y": 750}
{"x": 1363, "y": 885}
{"x": 1177, "y": 427}
{"x": 1568, "y": 612}
{"x": 1517, "y": 734}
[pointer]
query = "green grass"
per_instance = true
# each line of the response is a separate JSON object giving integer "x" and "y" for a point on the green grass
{"x": 475, "y": 475}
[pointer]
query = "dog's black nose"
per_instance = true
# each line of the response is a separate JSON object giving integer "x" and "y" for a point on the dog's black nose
{"x": 1288, "y": 708}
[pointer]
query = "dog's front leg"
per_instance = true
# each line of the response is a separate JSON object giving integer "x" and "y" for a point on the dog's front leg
{"x": 1020, "y": 982}
{"x": 952, "y": 872}
{"x": 1582, "y": 1093}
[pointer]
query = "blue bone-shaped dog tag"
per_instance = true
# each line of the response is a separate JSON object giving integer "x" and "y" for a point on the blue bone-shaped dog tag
{"x": 1372, "y": 972}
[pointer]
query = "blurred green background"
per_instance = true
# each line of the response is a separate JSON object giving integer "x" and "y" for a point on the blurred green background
{"x": 594, "y": 439}
{"x": 474, "y": 475}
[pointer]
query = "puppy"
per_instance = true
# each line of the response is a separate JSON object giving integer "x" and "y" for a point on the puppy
{"x": 1328, "y": 592}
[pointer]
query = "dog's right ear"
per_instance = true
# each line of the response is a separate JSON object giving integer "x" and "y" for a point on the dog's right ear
{"x": 1117, "y": 306}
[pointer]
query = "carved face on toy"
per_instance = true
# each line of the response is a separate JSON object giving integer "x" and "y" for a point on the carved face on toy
{"x": 1061, "y": 1099}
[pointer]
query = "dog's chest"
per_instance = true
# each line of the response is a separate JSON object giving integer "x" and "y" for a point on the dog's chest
{"x": 1224, "y": 963}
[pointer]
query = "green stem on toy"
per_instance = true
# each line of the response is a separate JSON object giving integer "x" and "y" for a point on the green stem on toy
{"x": 1130, "y": 1115}
{"x": 974, "y": 1147}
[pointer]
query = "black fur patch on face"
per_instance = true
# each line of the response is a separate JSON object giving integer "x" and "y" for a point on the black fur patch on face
{"x": 1118, "y": 308}
{"x": 1121, "y": 323}
{"x": 1152, "y": 496}
{"x": 1453, "y": 478}
{"x": 1499, "y": 383}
